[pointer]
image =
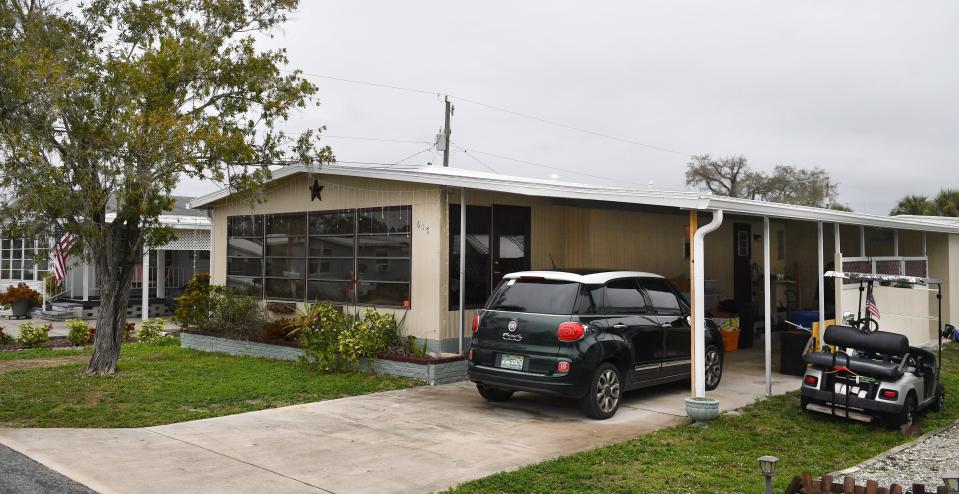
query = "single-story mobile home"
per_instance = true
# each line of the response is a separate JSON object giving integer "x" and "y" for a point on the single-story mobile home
{"x": 391, "y": 237}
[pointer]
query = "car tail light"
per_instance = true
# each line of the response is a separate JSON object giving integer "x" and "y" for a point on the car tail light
{"x": 889, "y": 394}
{"x": 562, "y": 366}
{"x": 570, "y": 331}
{"x": 475, "y": 322}
{"x": 811, "y": 380}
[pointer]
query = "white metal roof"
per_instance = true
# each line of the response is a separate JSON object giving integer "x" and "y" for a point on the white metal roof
{"x": 469, "y": 179}
{"x": 589, "y": 279}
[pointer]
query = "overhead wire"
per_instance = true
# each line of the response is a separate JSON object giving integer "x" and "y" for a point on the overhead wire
{"x": 504, "y": 110}
{"x": 555, "y": 168}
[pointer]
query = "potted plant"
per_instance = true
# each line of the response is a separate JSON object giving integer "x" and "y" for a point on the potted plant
{"x": 20, "y": 298}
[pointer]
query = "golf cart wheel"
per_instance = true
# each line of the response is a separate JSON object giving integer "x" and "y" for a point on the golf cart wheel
{"x": 803, "y": 401}
{"x": 714, "y": 367}
{"x": 907, "y": 415}
{"x": 493, "y": 394}
{"x": 605, "y": 393}
{"x": 940, "y": 401}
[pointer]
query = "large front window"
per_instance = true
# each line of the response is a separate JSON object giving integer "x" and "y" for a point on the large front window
{"x": 17, "y": 258}
{"x": 345, "y": 256}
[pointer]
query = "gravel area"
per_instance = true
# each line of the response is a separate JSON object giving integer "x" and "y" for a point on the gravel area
{"x": 921, "y": 462}
{"x": 21, "y": 475}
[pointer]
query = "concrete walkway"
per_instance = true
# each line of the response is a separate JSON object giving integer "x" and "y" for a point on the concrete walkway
{"x": 413, "y": 440}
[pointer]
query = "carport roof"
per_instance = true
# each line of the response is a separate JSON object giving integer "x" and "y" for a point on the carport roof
{"x": 460, "y": 178}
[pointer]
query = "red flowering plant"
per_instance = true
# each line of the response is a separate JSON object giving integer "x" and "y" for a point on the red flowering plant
{"x": 19, "y": 292}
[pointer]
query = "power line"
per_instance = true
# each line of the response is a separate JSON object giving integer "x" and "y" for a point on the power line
{"x": 556, "y": 168}
{"x": 508, "y": 111}
{"x": 373, "y": 84}
{"x": 376, "y": 139}
{"x": 571, "y": 127}
{"x": 467, "y": 153}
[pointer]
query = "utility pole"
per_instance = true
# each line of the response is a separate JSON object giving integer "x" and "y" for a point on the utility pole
{"x": 447, "y": 132}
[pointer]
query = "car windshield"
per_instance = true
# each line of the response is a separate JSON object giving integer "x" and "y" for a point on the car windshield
{"x": 539, "y": 296}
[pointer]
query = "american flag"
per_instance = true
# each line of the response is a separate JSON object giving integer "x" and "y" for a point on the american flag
{"x": 871, "y": 308}
{"x": 61, "y": 251}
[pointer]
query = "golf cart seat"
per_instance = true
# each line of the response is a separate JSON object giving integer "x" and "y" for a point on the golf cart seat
{"x": 882, "y": 343}
{"x": 859, "y": 365}
{"x": 879, "y": 354}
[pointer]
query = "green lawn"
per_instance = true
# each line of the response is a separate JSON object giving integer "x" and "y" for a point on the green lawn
{"x": 161, "y": 384}
{"x": 721, "y": 458}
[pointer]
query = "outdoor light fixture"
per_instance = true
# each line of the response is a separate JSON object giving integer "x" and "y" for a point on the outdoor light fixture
{"x": 768, "y": 465}
{"x": 951, "y": 479}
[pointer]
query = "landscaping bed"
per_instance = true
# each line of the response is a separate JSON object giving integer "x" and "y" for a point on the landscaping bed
{"x": 432, "y": 370}
{"x": 164, "y": 383}
{"x": 722, "y": 456}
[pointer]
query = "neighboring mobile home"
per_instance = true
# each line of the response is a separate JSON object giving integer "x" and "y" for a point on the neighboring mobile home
{"x": 77, "y": 295}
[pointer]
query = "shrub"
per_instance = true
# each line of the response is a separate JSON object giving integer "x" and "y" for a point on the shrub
{"x": 280, "y": 330}
{"x": 16, "y": 293}
{"x": 333, "y": 341}
{"x": 33, "y": 335}
{"x": 233, "y": 315}
{"x": 151, "y": 331}
{"x": 193, "y": 307}
{"x": 219, "y": 310}
{"x": 5, "y": 339}
{"x": 80, "y": 333}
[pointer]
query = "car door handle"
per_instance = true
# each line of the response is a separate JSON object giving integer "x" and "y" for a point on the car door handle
{"x": 619, "y": 325}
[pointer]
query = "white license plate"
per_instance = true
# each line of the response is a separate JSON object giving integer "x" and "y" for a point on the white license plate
{"x": 514, "y": 362}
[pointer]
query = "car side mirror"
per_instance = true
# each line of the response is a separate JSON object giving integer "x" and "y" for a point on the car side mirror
{"x": 689, "y": 321}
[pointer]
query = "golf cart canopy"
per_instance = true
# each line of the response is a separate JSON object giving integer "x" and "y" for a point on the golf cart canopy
{"x": 883, "y": 278}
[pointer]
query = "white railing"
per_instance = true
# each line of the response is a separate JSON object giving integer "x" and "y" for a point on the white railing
{"x": 50, "y": 297}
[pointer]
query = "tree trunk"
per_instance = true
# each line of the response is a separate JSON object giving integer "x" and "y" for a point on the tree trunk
{"x": 114, "y": 273}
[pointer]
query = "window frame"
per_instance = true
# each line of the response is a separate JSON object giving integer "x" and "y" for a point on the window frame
{"x": 354, "y": 259}
{"x": 633, "y": 310}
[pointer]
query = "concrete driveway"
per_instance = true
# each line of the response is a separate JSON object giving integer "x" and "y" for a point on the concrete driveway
{"x": 413, "y": 440}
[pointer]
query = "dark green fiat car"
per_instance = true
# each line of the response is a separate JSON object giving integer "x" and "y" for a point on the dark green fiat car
{"x": 587, "y": 336}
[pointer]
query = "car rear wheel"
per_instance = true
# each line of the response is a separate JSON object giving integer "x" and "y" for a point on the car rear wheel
{"x": 493, "y": 394}
{"x": 714, "y": 367}
{"x": 605, "y": 393}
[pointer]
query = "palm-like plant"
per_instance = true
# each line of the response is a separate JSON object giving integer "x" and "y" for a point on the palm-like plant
{"x": 946, "y": 203}
{"x": 913, "y": 204}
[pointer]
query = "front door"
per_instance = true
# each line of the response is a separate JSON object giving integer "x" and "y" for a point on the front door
{"x": 629, "y": 316}
{"x": 509, "y": 246}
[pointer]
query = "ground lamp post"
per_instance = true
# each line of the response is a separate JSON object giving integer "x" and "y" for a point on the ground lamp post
{"x": 951, "y": 479}
{"x": 768, "y": 465}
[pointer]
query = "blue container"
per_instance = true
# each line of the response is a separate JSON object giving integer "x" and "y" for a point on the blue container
{"x": 804, "y": 318}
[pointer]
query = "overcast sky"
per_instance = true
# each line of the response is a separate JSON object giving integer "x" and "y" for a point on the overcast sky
{"x": 868, "y": 90}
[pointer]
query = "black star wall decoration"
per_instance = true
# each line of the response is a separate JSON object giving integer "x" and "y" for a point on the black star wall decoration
{"x": 315, "y": 190}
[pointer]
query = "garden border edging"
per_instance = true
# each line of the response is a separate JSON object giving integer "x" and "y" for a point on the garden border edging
{"x": 432, "y": 373}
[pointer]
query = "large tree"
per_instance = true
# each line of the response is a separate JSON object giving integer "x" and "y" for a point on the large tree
{"x": 120, "y": 99}
{"x": 733, "y": 177}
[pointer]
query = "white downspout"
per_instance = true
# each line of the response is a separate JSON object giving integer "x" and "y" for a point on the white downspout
{"x": 699, "y": 309}
{"x": 767, "y": 310}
